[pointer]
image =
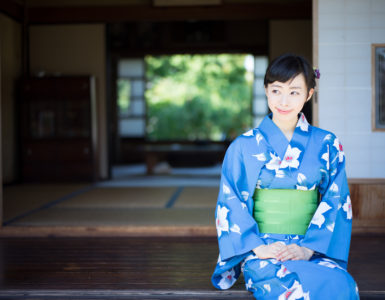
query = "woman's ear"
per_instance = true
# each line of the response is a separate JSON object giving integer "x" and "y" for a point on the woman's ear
{"x": 310, "y": 94}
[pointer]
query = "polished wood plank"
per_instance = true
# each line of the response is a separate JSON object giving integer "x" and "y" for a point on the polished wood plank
{"x": 143, "y": 268}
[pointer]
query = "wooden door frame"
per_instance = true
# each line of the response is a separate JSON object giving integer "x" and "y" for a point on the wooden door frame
{"x": 1, "y": 156}
{"x": 315, "y": 121}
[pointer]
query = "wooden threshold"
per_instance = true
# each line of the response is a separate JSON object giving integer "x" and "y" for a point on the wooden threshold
{"x": 145, "y": 294}
{"x": 359, "y": 227}
{"x": 126, "y": 294}
{"x": 107, "y": 231}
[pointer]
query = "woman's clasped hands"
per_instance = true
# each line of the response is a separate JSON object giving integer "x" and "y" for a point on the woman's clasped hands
{"x": 282, "y": 252}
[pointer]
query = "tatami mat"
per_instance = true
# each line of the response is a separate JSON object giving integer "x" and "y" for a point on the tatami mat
{"x": 188, "y": 198}
{"x": 193, "y": 197}
{"x": 118, "y": 217}
{"x": 22, "y": 198}
{"x": 134, "y": 197}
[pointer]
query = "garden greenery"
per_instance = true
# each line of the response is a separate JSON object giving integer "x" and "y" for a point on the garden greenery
{"x": 197, "y": 97}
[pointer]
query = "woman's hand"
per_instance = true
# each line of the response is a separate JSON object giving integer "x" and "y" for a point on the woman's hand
{"x": 269, "y": 251}
{"x": 294, "y": 252}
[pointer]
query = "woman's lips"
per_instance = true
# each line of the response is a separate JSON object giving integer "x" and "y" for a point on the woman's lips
{"x": 284, "y": 112}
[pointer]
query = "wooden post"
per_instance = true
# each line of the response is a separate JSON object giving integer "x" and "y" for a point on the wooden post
{"x": 315, "y": 121}
{"x": 1, "y": 157}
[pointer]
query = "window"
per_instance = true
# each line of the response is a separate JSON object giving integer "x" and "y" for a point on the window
{"x": 130, "y": 93}
{"x": 260, "y": 107}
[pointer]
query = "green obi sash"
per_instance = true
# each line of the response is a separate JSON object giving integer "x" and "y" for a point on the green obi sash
{"x": 284, "y": 211}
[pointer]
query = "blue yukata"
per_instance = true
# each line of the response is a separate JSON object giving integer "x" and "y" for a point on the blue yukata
{"x": 264, "y": 158}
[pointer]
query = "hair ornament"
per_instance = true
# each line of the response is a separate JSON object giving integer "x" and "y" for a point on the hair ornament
{"x": 317, "y": 73}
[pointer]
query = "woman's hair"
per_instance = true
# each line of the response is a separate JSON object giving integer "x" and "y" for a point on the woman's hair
{"x": 288, "y": 66}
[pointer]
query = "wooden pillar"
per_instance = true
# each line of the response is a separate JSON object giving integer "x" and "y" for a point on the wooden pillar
{"x": 1, "y": 156}
{"x": 315, "y": 119}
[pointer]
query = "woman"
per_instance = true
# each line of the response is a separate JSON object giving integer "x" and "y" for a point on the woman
{"x": 284, "y": 213}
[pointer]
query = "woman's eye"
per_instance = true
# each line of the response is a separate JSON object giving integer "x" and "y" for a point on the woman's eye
{"x": 295, "y": 93}
{"x": 275, "y": 91}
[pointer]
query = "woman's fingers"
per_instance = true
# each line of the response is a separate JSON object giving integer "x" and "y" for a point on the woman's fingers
{"x": 285, "y": 255}
{"x": 283, "y": 252}
{"x": 291, "y": 252}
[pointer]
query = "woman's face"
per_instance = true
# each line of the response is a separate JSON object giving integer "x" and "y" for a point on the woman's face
{"x": 286, "y": 99}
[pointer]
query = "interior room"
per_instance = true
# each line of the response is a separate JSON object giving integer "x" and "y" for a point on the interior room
{"x": 96, "y": 142}
{"x": 116, "y": 116}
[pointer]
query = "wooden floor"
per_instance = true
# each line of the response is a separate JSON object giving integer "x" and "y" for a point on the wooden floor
{"x": 143, "y": 268}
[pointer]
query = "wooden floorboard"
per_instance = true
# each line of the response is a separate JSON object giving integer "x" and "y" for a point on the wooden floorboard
{"x": 144, "y": 268}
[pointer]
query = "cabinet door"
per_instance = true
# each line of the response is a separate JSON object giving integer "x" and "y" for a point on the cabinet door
{"x": 57, "y": 122}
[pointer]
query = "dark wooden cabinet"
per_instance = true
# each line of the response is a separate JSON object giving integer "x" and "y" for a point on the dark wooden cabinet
{"x": 58, "y": 129}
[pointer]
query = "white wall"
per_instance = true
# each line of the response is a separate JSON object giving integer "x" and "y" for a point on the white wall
{"x": 347, "y": 28}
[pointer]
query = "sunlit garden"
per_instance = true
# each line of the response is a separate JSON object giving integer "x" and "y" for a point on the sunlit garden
{"x": 198, "y": 97}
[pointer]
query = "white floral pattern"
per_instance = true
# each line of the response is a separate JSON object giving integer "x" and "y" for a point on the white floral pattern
{"x": 291, "y": 158}
{"x": 262, "y": 264}
{"x": 334, "y": 188}
{"x": 258, "y": 137}
{"x": 221, "y": 222}
{"x": 294, "y": 292}
{"x": 274, "y": 163}
{"x": 220, "y": 262}
{"x": 226, "y": 189}
{"x": 305, "y": 188}
{"x": 347, "y": 207}
{"x": 329, "y": 263}
{"x": 267, "y": 287}
{"x": 340, "y": 150}
{"x": 235, "y": 228}
{"x": 260, "y": 156}
{"x": 249, "y": 284}
{"x": 245, "y": 195}
{"x": 249, "y": 133}
{"x": 301, "y": 178}
{"x": 325, "y": 157}
{"x": 318, "y": 218}
{"x": 302, "y": 123}
{"x": 228, "y": 279}
{"x": 330, "y": 227}
{"x": 282, "y": 272}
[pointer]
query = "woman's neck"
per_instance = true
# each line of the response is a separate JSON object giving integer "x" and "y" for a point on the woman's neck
{"x": 287, "y": 127}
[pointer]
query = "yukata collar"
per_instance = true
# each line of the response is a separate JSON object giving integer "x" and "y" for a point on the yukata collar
{"x": 275, "y": 137}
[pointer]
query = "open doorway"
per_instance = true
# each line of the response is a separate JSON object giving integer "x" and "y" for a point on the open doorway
{"x": 171, "y": 108}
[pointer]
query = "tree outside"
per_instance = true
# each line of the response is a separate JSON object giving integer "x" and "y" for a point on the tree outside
{"x": 198, "y": 97}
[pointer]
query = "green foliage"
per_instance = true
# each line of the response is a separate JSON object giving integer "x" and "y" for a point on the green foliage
{"x": 198, "y": 97}
{"x": 124, "y": 91}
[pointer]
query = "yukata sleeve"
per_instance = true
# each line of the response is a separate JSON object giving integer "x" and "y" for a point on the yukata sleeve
{"x": 237, "y": 230}
{"x": 329, "y": 230}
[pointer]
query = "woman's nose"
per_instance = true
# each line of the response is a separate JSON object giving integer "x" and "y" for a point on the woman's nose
{"x": 283, "y": 100}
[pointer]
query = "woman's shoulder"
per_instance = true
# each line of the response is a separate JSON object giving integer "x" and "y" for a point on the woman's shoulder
{"x": 327, "y": 140}
{"x": 322, "y": 134}
{"x": 250, "y": 137}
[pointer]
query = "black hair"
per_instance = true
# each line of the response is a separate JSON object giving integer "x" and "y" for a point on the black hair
{"x": 288, "y": 66}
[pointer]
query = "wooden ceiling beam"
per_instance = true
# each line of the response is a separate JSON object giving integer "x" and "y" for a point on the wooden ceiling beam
{"x": 13, "y": 9}
{"x": 110, "y": 14}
